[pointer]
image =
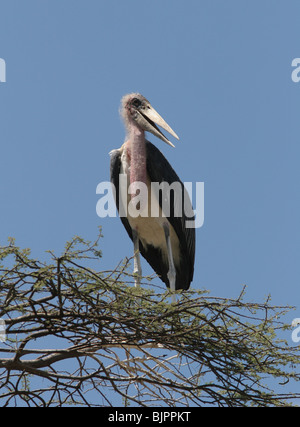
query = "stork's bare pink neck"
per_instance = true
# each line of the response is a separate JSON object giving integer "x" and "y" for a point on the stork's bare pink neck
{"x": 137, "y": 144}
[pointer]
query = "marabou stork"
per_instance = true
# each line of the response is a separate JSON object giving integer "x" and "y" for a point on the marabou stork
{"x": 163, "y": 240}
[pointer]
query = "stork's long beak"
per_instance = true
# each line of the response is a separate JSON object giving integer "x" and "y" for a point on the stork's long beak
{"x": 150, "y": 118}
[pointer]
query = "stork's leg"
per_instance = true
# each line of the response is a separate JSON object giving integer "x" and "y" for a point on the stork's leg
{"x": 172, "y": 270}
{"x": 137, "y": 269}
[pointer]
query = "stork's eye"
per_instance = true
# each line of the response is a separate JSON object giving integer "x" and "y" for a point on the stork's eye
{"x": 136, "y": 102}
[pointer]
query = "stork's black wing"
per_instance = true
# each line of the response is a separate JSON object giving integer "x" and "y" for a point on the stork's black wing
{"x": 160, "y": 170}
{"x": 115, "y": 167}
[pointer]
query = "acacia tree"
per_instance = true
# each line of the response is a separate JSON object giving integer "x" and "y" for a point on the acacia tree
{"x": 78, "y": 336}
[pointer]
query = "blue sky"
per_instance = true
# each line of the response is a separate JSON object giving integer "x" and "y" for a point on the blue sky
{"x": 218, "y": 72}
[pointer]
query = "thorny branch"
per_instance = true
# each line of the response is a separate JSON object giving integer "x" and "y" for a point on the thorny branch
{"x": 79, "y": 337}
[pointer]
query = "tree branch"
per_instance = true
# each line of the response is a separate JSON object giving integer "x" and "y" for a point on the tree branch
{"x": 114, "y": 344}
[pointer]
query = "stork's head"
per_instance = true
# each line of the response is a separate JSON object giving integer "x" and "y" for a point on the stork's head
{"x": 136, "y": 109}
